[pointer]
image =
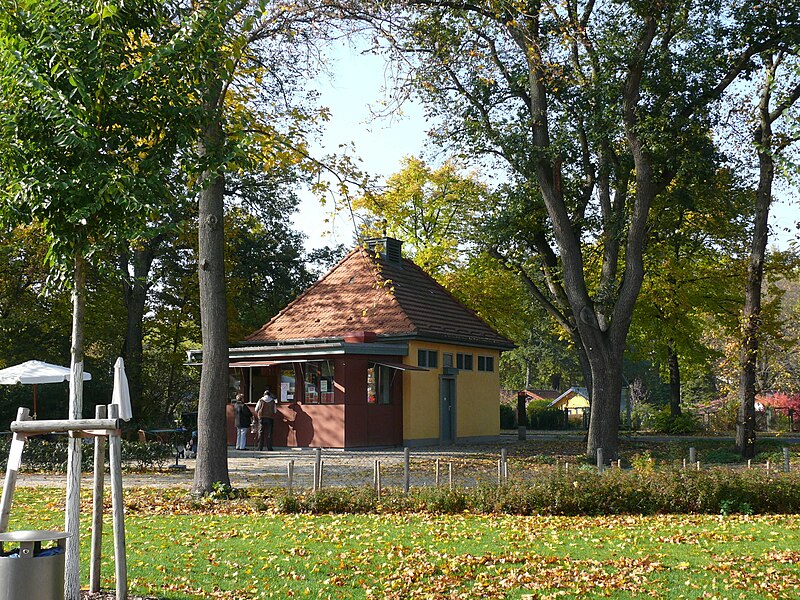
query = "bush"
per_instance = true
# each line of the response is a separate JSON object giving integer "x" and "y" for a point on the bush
{"x": 49, "y": 454}
{"x": 542, "y": 417}
{"x": 508, "y": 417}
{"x": 646, "y": 492}
{"x": 685, "y": 423}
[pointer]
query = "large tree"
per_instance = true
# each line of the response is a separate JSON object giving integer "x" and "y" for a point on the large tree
{"x": 83, "y": 146}
{"x": 771, "y": 137}
{"x": 253, "y": 59}
{"x": 592, "y": 106}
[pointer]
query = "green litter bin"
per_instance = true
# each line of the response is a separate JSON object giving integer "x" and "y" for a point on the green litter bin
{"x": 32, "y": 571}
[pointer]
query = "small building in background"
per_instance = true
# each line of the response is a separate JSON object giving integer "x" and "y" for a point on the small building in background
{"x": 376, "y": 353}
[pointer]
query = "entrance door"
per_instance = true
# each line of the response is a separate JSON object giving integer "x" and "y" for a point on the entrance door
{"x": 447, "y": 412}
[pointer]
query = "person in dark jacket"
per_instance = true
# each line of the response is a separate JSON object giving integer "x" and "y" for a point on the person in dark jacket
{"x": 243, "y": 418}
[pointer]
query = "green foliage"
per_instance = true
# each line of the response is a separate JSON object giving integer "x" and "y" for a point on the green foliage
{"x": 542, "y": 417}
{"x": 508, "y": 417}
{"x": 50, "y": 455}
{"x": 685, "y": 423}
{"x": 645, "y": 490}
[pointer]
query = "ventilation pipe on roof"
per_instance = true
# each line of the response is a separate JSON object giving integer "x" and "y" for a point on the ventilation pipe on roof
{"x": 387, "y": 248}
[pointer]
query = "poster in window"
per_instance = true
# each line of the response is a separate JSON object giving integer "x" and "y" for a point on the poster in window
{"x": 284, "y": 391}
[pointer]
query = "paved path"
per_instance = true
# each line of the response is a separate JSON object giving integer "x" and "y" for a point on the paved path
{"x": 251, "y": 468}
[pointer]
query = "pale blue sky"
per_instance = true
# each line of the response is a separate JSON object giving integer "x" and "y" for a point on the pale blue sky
{"x": 357, "y": 84}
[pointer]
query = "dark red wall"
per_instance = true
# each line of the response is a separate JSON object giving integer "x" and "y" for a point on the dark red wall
{"x": 350, "y": 422}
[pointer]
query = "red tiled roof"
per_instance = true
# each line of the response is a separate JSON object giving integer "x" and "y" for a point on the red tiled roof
{"x": 364, "y": 293}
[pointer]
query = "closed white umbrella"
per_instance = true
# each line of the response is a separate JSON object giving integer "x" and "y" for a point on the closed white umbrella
{"x": 121, "y": 395}
{"x": 33, "y": 372}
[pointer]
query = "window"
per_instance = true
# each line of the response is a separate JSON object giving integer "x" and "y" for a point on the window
{"x": 428, "y": 358}
{"x": 485, "y": 363}
{"x": 318, "y": 380}
{"x": 447, "y": 359}
{"x": 287, "y": 390}
{"x": 379, "y": 384}
{"x": 464, "y": 361}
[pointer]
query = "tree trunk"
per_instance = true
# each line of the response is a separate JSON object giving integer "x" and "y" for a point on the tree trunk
{"x": 605, "y": 403}
{"x": 674, "y": 382}
{"x": 72, "y": 583}
{"x": 135, "y": 302}
{"x": 751, "y": 317}
{"x": 212, "y": 448}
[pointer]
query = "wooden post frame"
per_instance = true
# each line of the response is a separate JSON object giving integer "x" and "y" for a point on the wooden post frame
{"x": 101, "y": 428}
{"x": 97, "y": 504}
{"x": 12, "y": 469}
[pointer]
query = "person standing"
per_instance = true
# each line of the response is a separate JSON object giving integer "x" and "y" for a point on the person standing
{"x": 265, "y": 411}
{"x": 243, "y": 419}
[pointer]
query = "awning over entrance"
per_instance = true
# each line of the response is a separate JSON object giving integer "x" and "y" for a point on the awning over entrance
{"x": 400, "y": 366}
{"x": 264, "y": 363}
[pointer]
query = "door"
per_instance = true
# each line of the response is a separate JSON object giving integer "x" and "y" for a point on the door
{"x": 447, "y": 413}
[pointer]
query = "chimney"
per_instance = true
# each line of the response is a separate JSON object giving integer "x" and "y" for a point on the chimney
{"x": 387, "y": 248}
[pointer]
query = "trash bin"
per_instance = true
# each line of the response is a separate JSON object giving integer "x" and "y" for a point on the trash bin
{"x": 31, "y": 571}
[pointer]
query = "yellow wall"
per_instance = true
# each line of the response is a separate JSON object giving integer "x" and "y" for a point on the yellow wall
{"x": 477, "y": 395}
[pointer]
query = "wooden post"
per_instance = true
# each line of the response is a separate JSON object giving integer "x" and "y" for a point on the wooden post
{"x": 290, "y": 474}
{"x": 97, "y": 505}
{"x": 72, "y": 516}
{"x": 317, "y": 469}
{"x": 600, "y": 460}
{"x": 692, "y": 455}
{"x": 406, "y": 470}
{"x": 12, "y": 469}
{"x": 786, "y": 465}
{"x": 118, "y": 509}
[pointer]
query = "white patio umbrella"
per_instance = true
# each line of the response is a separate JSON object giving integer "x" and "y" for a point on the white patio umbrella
{"x": 121, "y": 396}
{"x": 33, "y": 372}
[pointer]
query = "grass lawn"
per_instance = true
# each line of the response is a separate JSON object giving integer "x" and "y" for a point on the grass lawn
{"x": 230, "y": 550}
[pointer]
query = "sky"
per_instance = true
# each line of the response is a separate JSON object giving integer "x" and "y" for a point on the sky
{"x": 357, "y": 83}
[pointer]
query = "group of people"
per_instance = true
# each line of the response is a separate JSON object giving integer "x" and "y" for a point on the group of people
{"x": 265, "y": 411}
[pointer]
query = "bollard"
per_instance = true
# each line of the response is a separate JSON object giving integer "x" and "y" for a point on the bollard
{"x": 406, "y": 470}
{"x": 317, "y": 469}
{"x": 786, "y": 465}
{"x": 599, "y": 460}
